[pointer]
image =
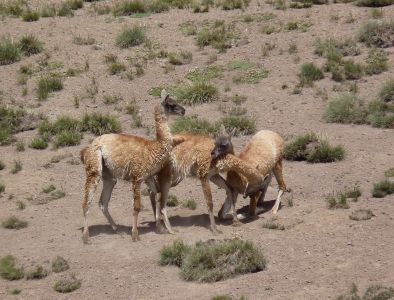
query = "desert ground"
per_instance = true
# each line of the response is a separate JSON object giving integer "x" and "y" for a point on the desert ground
{"x": 320, "y": 253}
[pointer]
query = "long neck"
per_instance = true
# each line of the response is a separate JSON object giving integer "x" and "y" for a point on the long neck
{"x": 247, "y": 173}
{"x": 163, "y": 133}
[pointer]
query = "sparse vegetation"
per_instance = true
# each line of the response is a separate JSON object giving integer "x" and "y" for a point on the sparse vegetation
{"x": 389, "y": 173}
{"x": 9, "y": 51}
{"x": 14, "y": 223}
{"x": 312, "y": 149}
{"x": 15, "y": 291}
{"x": 251, "y": 76}
{"x": 273, "y": 224}
{"x": 9, "y": 268}
{"x": 67, "y": 284}
{"x": 241, "y": 124}
{"x": 59, "y": 264}
{"x": 338, "y": 201}
{"x": 20, "y": 146}
{"x": 80, "y": 40}
{"x": 2, "y": 187}
{"x": 373, "y": 292}
{"x": 190, "y": 204}
{"x": 10, "y": 121}
{"x": 192, "y": 124}
{"x": 376, "y": 62}
{"x": 196, "y": 93}
{"x": 218, "y": 35}
{"x": 181, "y": 58}
{"x": 38, "y": 272}
{"x": 377, "y": 34}
{"x": 309, "y": 74}
{"x": 361, "y": 215}
{"x": 17, "y": 167}
{"x": 205, "y": 74}
{"x": 2, "y": 165}
{"x": 130, "y": 37}
{"x": 374, "y": 3}
{"x": 174, "y": 254}
{"x": 39, "y": 143}
{"x": 172, "y": 201}
{"x": 30, "y": 16}
{"x": 386, "y": 93}
{"x": 383, "y": 188}
{"x": 48, "y": 84}
{"x": 99, "y": 124}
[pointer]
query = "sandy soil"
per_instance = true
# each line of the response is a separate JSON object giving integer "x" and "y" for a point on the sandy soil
{"x": 319, "y": 255}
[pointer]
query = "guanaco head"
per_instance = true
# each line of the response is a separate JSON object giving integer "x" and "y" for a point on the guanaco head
{"x": 223, "y": 144}
{"x": 170, "y": 105}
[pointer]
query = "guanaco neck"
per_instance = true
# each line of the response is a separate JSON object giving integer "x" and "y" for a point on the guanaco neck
{"x": 163, "y": 134}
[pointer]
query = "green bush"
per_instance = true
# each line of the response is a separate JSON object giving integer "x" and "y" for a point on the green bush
{"x": 382, "y": 189}
{"x": 39, "y": 143}
{"x": 174, "y": 254}
{"x": 2, "y": 165}
{"x": 377, "y": 34}
{"x": 65, "y": 10}
{"x": 67, "y": 138}
{"x": 181, "y": 58}
{"x": 386, "y": 93}
{"x": 48, "y": 84}
{"x": 205, "y": 74}
{"x": 13, "y": 223}
{"x": 218, "y": 35}
{"x": 376, "y": 62}
{"x": 346, "y": 108}
{"x": 128, "y": 8}
{"x": 172, "y": 201}
{"x": 2, "y": 187}
{"x": 308, "y": 147}
{"x": 389, "y": 173}
{"x": 196, "y": 93}
{"x": 309, "y": 74}
{"x": 374, "y": 3}
{"x": 30, "y": 16}
{"x": 192, "y": 124}
{"x": 130, "y": 37}
{"x": 9, "y": 51}
{"x": 59, "y": 264}
{"x": 9, "y": 269}
{"x": 38, "y": 272}
{"x": 352, "y": 70}
{"x": 190, "y": 204}
{"x": 67, "y": 285}
{"x": 99, "y": 124}
{"x": 219, "y": 260}
{"x": 241, "y": 124}
{"x": 373, "y": 292}
{"x": 251, "y": 76}
{"x": 232, "y": 4}
{"x": 48, "y": 11}
{"x": 30, "y": 45}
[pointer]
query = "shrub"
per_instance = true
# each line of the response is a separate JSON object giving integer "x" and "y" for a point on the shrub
{"x": 20, "y": 146}
{"x": 338, "y": 201}
{"x": 59, "y": 264}
{"x": 308, "y": 147}
{"x": 172, "y": 201}
{"x": 346, "y": 108}
{"x": 30, "y": 16}
{"x": 373, "y": 292}
{"x": 181, "y": 58}
{"x": 47, "y": 84}
{"x": 174, "y": 254}
{"x": 30, "y": 45}
{"x": 9, "y": 269}
{"x": 65, "y": 10}
{"x": 67, "y": 138}
{"x": 38, "y": 272}
{"x": 67, "y": 285}
{"x": 378, "y": 34}
{"x": 374, "y": 3}
{"x": 79, "y": 40}
{"x": 128, "y": 8}
{"x": 196, "y": 93}
{"x": 9, "y": 51}
{"x": 218, "y": 35}
{"x": 376, "y": 62}
{"x": 251, "y": 76}
{"x": 116, "y": 67}
{"x": 219, "y": 260}
{"x": 17, "y": 167}
{"x": 240, "y": 65}
{"x": 14, "y": 223}
{"x": 2, "y": 187}
{"x": 48, "y": 10}
{"x": 205, "y": 74}
{"x": 389, "y": 173}
{"x": 130, "y": 37}
{"x": 352, "y": 70}
{"x": 382, "y": 189}
{"x": 15, "y": 291}
{"x": 190, "y": 204}
{"x": 74, "y": 4}
{"x": 241, "y": 124}
{"x": 354, "y": 193}
{"x": 99, "y": 124}
{"x": 2, "y": 165}
{"x": 386, "y": 93}
{"x": 361, "y": 215}
{"x": 192, "y": 124}
{"x": 309, "y": 74}
{"x": 39, "y": 143}
{"x": 273, "y": 224}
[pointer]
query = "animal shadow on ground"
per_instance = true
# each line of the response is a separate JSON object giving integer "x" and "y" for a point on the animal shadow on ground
{"x": 98, "y": 229}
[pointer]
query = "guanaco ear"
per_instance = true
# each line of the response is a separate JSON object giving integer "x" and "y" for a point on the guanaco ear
{"x": 222, "y": 131}
{"x": 164, "y": 95}
{"x": 176, "y": 140}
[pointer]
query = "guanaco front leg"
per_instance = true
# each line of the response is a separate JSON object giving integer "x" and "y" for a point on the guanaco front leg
{"x": 208, "y": 198}
{"x": 137, "y": 208}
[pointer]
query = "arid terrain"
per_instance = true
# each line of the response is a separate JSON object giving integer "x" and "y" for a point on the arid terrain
{"x": 321, "y": 251}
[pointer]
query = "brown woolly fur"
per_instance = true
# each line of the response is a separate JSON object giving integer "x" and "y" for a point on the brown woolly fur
{"x": 192, "y": 157}
{"x": 265, "y": 153}
{"x": 121, "y": 156}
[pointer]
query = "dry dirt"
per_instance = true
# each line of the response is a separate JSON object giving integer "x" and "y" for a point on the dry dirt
{"x": 319, "y": 255}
